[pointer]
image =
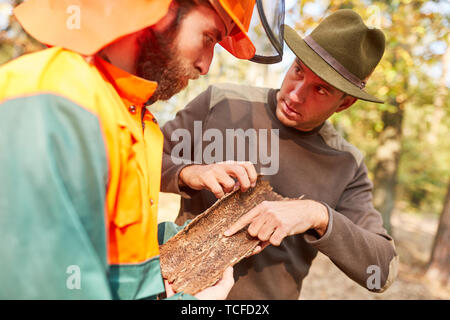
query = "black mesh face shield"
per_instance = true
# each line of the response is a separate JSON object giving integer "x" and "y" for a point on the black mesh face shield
{"x": 266, "y": 31}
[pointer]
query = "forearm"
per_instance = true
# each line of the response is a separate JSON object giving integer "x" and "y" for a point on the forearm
{"x": 167, "y": 230}
{"x": 53, "y": 226}
{"x": 178, "y": 142}
{"x": 358, "y": 252}
{"x": 170, "y": 178}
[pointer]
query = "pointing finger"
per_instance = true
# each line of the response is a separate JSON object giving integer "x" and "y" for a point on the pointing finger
{"x": 243, "y": 221}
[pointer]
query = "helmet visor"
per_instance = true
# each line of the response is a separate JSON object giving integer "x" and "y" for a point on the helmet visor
{"x": 266, "y": 31}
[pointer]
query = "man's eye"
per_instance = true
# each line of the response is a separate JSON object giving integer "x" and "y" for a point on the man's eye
{"x": 321, "y": 90}
{"x": 209, "y": 39}
{"x": 298, "y": 71}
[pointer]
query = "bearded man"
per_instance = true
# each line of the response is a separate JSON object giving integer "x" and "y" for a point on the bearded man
{"x": 81, "y": 154}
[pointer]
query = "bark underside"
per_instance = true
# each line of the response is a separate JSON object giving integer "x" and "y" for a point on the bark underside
{"x": 197, "y": 256}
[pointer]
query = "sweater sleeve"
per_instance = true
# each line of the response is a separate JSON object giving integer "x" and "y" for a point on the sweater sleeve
{"x": 53, "y": 173}
{"x": 355, "y": 239}
{"x": 179, "y": 141}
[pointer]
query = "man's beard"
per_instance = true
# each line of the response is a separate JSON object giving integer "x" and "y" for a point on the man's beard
{"x": 159, "y": 61}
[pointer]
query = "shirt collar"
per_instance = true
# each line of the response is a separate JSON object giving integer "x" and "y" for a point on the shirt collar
{"x": 130, "y": 87}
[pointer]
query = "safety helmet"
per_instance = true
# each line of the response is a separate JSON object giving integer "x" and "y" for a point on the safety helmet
{"x": 236, "y": 15}
{"x": 87, "y": 26}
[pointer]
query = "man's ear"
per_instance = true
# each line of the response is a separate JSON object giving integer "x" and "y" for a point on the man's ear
{"x": 346, "y": 103}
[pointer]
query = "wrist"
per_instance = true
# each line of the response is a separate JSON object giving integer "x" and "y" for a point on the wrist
{"x": 186, "y": 174}
{"x": 181, "y": 177}
{"x": 322, "y": 219}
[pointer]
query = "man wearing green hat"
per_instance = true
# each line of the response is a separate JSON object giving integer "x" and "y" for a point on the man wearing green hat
{"x": 336, "y": 216}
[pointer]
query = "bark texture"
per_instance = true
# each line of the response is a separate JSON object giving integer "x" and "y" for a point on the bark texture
{"x": 196, "y": 257}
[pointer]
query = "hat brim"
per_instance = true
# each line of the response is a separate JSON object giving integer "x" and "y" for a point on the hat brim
{"x": 321, "y": 68}
{"x": 101, "y": 22}
{"x": 240, "y": 45}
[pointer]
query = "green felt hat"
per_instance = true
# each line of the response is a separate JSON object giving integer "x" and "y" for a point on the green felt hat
{"x": 342, "y": 51}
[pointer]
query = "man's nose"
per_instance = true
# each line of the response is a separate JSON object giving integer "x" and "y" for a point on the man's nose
{"x": 203, "y": 63}
{"x": 298, "y": 93}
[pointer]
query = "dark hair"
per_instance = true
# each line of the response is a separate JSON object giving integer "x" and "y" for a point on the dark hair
{"x": 186, "y": 5}
{"x": 183, "y": 8}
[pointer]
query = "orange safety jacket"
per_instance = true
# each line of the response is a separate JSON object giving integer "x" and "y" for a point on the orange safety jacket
{"x": 98, "y": 111}
{"x": 80, "y": 166}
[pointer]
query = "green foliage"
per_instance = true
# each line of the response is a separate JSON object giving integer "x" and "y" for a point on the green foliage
{"x": 403, "y": 81}
{"x": 14, "y": 42}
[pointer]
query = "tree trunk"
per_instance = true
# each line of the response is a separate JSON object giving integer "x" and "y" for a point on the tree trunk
{"x": 387, "y": 162}
{"x": 439, "y": 264}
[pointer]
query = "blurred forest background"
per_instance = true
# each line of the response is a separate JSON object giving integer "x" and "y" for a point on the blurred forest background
{"x": 405, "y": 141}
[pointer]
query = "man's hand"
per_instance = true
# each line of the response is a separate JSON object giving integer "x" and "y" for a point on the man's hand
{"x": 219, "y": 291}
{"x": 218, "y": 177}
{"x": 272, "y": 221}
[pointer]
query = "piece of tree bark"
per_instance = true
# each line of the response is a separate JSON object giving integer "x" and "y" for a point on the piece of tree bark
{"x": 196, "y": 257}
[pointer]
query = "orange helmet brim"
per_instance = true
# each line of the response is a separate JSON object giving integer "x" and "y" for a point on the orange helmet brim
{"x": 239, "y": 43}
{"x": 87, "y": 26}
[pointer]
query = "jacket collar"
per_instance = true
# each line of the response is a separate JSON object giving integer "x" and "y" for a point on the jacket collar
{"x": 130, "y": 87}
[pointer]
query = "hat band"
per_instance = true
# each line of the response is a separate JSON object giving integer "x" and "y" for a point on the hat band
{"x": 336, "y": 65}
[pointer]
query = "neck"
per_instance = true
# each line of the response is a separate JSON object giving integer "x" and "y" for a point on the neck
{"x": 122, "y": 53}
